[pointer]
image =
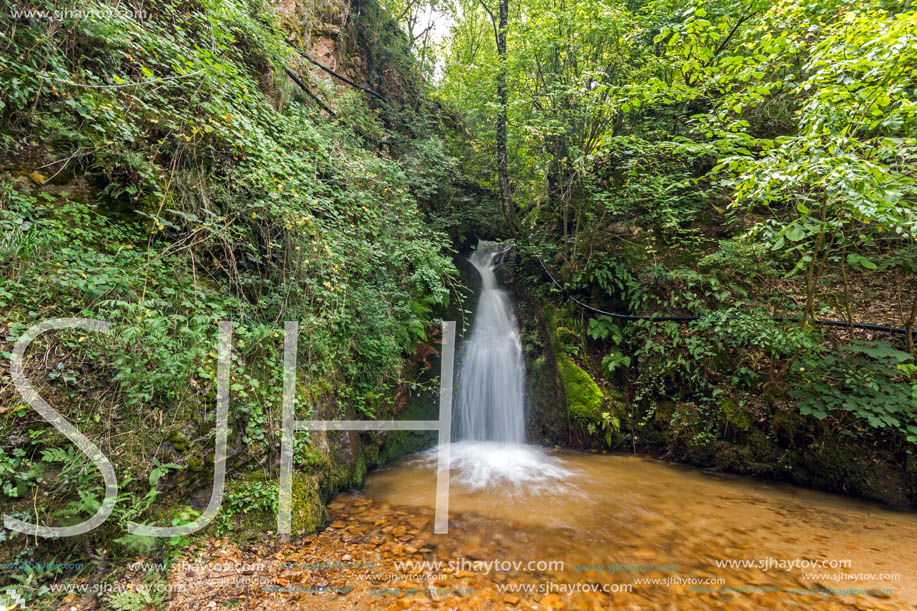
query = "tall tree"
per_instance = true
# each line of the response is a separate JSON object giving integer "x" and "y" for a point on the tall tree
{"x": 506, "y": 196}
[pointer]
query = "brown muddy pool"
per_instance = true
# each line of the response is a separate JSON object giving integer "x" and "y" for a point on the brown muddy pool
{"x": 789, "y": 547}
{"x": 550, "y": 530}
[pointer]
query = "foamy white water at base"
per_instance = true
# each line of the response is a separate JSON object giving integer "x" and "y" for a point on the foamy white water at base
{"x": 478, "y": 465}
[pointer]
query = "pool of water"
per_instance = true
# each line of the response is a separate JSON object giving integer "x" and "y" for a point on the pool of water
{"x": 654, "y": 520}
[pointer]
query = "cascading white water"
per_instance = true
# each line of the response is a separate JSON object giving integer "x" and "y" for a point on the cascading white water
{"x": 491, "y": 389}
{"x": 489, "y": 418}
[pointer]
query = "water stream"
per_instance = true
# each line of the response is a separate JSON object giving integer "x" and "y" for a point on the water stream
{"x": 639, "y": 512}
{"x": 518, "y": 502}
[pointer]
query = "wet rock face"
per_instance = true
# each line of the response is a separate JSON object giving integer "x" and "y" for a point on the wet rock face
{"x": 322, "y": 29}
{"x": 327, "y": 14}
{"x": 547, "y": 419}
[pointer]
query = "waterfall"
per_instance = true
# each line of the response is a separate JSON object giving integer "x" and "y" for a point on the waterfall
{"x": 491, "y": 390}
{"x": 489, "y": 448}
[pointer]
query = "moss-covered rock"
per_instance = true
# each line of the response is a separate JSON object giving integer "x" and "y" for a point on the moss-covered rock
{"x": 393, "y": 444}
{"x": 911, "y": 478}
{"x": 662, "y": 414}
{"x": 734, "y": 414}
{"x": 584, "y": 397}
{"x": 547, "y": 420}
{"x": 178, "y": 441}
{"x": 308, "y": 512}
{"x": 684, "y": 423}
{"x": 788, "y": 426}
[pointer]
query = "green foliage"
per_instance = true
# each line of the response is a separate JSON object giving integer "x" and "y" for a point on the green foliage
{"x": 13, "y": 481}
{"x": 248, "y": 498}
{"x": 608, "y": 424}
{"x": 733, "y": 161}
{"x": 613, "y": 360}
{"x": 647, "y": 183}
{"x": 257, "y": 203}
{"x": 856, "y": 119}
{"x": 868, "y": 380}
{"x": 602, "y": 328}
{"x": 140, "y": 600}
{"x": 161, "y": 174}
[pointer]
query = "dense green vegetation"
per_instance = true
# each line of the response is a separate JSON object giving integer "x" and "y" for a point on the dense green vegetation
{"x": 736, "y": 162}
{"x": 162, "y": 174}
{"x": 730, "y": 161}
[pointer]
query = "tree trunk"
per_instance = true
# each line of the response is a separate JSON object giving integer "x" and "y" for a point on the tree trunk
{"x": 506, "y": 197}
{"x": 811, "y": 275}
{"x": 846, "y": 290}
{"x": 909, "y": 327}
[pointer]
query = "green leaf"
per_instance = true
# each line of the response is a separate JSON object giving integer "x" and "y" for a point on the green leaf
{"x": 795, "y": 233}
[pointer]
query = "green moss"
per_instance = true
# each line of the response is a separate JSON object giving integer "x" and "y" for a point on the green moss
{"x": 616, "y": 396}
{"x": 788, "y": 425}
{"x": 734, "y": 414}
{"x": 312, "y": 457}
{"x": 662, "y": 415}
{"x": 911, "y": 478}
{"x": 566, "y": 336}
{"x": 684, "y": 424}
{"x": 258, "y": 475}
{"x": 836, "y": 467}
{"x": 359, "y": 471}
{"x": 308, "y": 512}
{"x": 552, "y": 320}
{"x": 178, "y": 441}
{"x": 340, "y": 474}
{"x": 584, "y": 397}
{"x": 398, "y": 443}
{"x": 249, "y": 508}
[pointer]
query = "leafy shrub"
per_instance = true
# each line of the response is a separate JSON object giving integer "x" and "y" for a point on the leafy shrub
{"x": 866, "y": 380}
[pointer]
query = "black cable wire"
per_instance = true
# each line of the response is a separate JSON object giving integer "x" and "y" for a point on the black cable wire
{"x": 335, "y": 74}
{"x": 309, "y": 93}
{"x": 333, "y": 115}
{"x": 830, "y": 323}
{"x": 362, "y": 88}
